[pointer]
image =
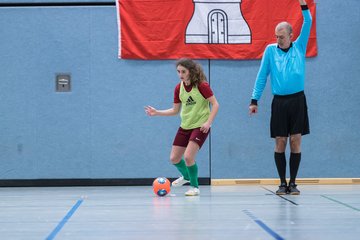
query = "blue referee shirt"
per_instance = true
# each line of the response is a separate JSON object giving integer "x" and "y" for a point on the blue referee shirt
{"x": 286, "y": 69}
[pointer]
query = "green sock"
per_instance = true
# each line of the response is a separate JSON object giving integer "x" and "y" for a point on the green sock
{"x": 193, "y": 172}
{"x": 181, "y": 166}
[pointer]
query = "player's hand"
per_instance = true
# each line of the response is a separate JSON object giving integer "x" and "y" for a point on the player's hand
{"x": 205, "y": 127}
{"x": 150, "y": 111}
{"x": 253, "y": 109}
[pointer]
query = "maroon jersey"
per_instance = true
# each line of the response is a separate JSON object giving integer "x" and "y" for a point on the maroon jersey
{"x": 203, "y": 87}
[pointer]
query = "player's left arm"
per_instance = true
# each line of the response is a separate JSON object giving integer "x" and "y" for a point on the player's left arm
{"x": 214, "y": 110}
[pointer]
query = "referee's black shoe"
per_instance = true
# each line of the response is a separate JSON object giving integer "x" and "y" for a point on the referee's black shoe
{"x": 293, "y": 189}
{"x": 282, "y": 189}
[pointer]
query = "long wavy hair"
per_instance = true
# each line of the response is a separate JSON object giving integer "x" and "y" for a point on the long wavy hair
{"x": 196, "y": 72}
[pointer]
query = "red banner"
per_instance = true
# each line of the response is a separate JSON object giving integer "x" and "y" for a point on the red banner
{"x": 205, "y": 29}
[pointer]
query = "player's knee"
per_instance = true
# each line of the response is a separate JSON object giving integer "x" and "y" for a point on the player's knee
{"x": 189, "y": 160}
{"x": 174, "y": 159}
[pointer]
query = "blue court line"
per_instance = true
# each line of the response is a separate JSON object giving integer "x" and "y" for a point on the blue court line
{"x": 344, "y": 204}
{"x": 263, "y": 225}
{"x": 64, "y": 220}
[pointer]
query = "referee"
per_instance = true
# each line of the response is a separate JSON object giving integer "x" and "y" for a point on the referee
{"x": 284, "y": 61}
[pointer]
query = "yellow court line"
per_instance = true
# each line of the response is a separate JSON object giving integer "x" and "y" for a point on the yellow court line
{"x": 274, "y": 181}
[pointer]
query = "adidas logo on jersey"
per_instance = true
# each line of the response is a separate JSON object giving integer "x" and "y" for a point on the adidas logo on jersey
{"x": 190, "y": 101}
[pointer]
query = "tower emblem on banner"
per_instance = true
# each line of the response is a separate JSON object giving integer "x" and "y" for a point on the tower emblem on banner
{"x": 217, "y": 22}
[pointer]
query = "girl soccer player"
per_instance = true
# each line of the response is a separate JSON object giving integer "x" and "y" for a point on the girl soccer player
{"x": 191, "y": 98}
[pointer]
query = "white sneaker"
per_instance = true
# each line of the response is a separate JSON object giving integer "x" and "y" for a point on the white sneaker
{"x": 193, "y": 191}
{"x": 179, "y": 182}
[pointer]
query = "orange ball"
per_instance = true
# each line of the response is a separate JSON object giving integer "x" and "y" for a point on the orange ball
{"x": 161, "y": 186}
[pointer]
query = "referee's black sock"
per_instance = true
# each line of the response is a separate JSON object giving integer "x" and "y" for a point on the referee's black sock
{"x": 280, "y": 161}
{"x": 295, "y": 159}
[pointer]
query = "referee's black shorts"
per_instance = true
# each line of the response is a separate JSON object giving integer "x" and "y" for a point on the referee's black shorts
{"x": 289, "y": 115}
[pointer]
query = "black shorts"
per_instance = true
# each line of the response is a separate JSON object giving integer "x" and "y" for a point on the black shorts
{"x": 289, "y": 115}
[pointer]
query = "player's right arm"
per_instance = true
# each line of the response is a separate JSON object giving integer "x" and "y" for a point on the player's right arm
{"x": 151, "y": 111}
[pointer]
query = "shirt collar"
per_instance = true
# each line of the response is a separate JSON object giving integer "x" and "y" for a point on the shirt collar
{"x": 286, "y": 49}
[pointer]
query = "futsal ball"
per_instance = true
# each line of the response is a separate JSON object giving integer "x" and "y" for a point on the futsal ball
{"x": 161, "y": 186}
